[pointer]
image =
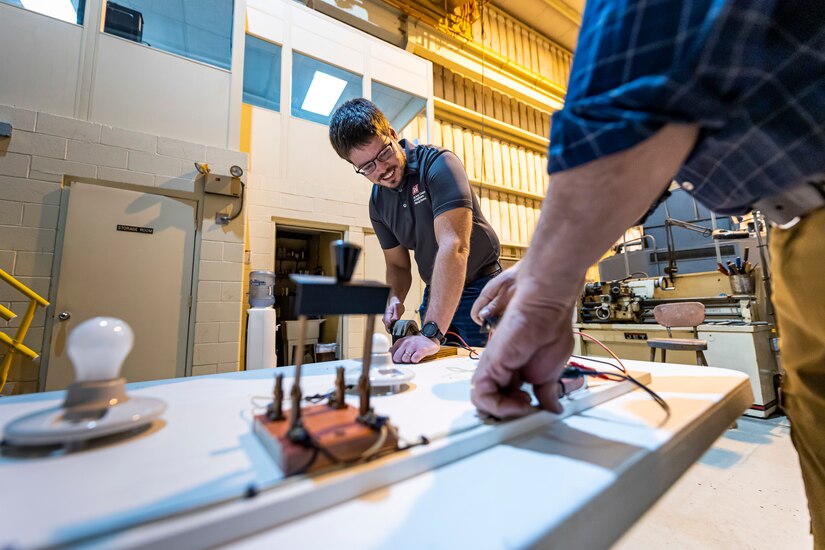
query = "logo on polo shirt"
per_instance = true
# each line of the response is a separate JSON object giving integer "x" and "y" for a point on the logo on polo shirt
{"x": 418, "y": 196}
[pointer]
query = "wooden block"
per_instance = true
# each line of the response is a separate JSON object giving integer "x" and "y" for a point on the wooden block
{"x": 445, "y": 351}
{"x": 337, "y": 431}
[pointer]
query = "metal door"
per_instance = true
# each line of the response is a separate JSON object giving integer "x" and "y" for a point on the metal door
{"x": 126, "y": 254}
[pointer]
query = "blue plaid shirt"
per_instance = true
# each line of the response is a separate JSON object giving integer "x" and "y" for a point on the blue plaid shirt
{"x": 751, "y": 73}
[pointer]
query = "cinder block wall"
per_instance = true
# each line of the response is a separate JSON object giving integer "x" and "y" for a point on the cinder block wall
{"x": 42, "y": 150}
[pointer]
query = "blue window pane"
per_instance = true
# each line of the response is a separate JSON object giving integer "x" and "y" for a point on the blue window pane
{"x": 318, "y": 88}
{"x": 197, "y": 29}
{"x": 398, "y": 106}
{"x": 70, "y": 11}
{"x": 262, "y": 73}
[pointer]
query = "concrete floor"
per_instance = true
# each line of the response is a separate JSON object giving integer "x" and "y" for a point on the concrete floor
{"x": 744, "y": 493}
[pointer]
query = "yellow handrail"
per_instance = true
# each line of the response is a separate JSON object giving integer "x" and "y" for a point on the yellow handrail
{"x": 16, "y": 344}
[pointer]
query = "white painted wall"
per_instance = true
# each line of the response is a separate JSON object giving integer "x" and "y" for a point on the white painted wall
{"x": 56, "y": 67}
{"x": 39, "y": 64}
{"x": 153, "y": 91}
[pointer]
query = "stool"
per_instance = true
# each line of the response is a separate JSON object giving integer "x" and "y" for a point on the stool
{"x": 684, "y": 314}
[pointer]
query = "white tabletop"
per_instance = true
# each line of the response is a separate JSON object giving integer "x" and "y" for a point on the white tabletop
{"x": 581, "y": 480}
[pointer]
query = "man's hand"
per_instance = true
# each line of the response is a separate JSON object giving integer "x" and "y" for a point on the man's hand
{"x": 394, "y": 311}
{"x": 412, "y": 349}
{"x": 495, "y": 296}
{"x": 531, "y": 344}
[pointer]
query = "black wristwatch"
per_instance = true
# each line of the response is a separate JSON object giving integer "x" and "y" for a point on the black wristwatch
{"x": 430, "y": 330}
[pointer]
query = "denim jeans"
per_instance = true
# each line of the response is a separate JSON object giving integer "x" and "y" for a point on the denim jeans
{"x": 462, "y": 324}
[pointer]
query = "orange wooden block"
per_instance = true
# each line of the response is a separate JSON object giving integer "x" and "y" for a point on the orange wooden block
{"x": 336, "y": 431}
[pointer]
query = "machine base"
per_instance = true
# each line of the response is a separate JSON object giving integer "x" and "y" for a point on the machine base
{"x": 335, "y": 436}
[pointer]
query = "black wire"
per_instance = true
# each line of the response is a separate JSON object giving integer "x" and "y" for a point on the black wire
{"x": 575, "y": 372}
{"x": 238, "y": 213}
{"x": 583, "y": 358}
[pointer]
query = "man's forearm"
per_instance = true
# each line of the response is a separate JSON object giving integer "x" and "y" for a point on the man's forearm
{"x": 447, "y": 285}
{"x": 589, "y": 207}
{"x": 399, "y": 280}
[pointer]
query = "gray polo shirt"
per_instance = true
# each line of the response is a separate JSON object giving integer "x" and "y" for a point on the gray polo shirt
{"x": 434, "y": 182}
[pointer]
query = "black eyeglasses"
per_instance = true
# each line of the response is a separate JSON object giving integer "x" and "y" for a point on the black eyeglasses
{"x": 383, "y": 155}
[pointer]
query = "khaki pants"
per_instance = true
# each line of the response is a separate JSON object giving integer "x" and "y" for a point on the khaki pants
{"x": 798, "y": 256}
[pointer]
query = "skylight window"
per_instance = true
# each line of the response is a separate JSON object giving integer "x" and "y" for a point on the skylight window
{"x": 59, "y": 9}
{"x": 318, "y": 88}
{"x": 323, "y": 93}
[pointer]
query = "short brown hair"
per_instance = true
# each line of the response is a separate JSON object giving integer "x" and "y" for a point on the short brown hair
{"x": 354, "y": 124}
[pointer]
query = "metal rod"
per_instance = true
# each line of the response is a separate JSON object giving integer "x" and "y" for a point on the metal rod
{"x": 340, "y": 388}
{"x": 715, "y": 241}
{"x": 296, "y": 394}
{"x": 277, "y": 412}
{"x": 364, "y": 379}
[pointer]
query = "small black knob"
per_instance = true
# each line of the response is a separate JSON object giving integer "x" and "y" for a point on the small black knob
{"x": 345, "y": 255}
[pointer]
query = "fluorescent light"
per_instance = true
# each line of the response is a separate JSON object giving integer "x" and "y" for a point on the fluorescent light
{"x": 323, "y": 93}
{"x": 59, "y": 9}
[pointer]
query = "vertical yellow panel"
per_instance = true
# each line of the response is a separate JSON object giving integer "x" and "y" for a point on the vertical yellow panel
{"x": 246, "y": 128}
{"x": 485, "y": 204}
{"x": 534, "y": 55}
{"x": 506, "y": 168}
{"x": 515, "y": 115}
{"x": 449, "y": 86}
{"x": 478, "y": 94}
{"x": 458, "y": 89}
{"x": 498, "y": 174}
{"x": 531, "y": 218}
{"x": 506, "y": 110}
{"x": 469, "y": 156}
{"x": 524, "y": 235}
{"x": 458, "y": 144}
{"x": 491, "y": 28}
{"x": 524, "y": 124}
{"x": 438, "y": 81}
{"x": 514, "y": 167}
{"x": 527, "y": 39}
{"x": 497, "y": 106}
{"x": 495, "y": 214}
{"x": 504, "y": 212}
{"x": 531, "y": 171}
{"x": 522, "y": 168}
{"x": 447, "y": 135}
{"x": 478, "y": 156}
{"x": 437, "y": 138}
{"x": 515, "y": 235}
{"x": 518, "y": 45}
{"x": 489, "y": 110}
{"x": 471, "y": 100}
{"x": 487, "y": 149}
{"x": 545, "y": 178}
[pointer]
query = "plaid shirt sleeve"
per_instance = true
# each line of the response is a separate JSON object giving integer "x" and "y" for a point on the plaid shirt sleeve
{"x": 751, "y": 73}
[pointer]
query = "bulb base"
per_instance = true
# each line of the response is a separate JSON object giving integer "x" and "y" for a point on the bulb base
{"x": 90, "y": 398}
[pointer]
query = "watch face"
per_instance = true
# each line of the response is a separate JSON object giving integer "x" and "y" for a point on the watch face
{"x": 429, "y": 330}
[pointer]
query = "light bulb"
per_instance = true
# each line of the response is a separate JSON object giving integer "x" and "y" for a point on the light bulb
{"x": 97, "y": 348}
{"x": 380, "y": 343}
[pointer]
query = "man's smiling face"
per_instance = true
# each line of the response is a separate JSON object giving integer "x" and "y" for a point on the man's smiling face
{"x": 381, "y": 160}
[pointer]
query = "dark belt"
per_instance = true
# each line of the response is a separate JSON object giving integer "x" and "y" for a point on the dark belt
{"x": 786, "y": 209}
{"x": 491, "y": 269}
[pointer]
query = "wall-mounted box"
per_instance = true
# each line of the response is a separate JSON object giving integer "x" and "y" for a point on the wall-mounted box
{"x": 222, "y": 185}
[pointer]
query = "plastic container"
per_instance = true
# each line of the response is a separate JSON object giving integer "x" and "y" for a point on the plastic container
{"x": 742, "y": 284}
{"x": 326, "y": 352}
{"x": 261, "y": 288}
{"x": 260, "y": 338}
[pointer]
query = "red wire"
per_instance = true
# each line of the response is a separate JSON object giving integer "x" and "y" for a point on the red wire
{"x": 607, "y": 349}
{"x": 460, "y": 339}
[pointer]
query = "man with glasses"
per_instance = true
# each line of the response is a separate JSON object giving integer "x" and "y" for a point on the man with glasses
{"x": 421, "y": 201}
